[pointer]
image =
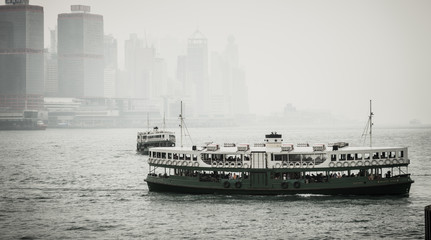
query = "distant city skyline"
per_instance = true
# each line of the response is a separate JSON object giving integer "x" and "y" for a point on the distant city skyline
{"x": 333, "y": 55}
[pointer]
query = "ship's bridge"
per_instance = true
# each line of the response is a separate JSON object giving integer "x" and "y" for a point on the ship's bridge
{"x": 273, "y": 140}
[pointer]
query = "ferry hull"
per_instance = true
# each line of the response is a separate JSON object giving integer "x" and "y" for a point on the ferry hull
{"x": 401, "y": 189}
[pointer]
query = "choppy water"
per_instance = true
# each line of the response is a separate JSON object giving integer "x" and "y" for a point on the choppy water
{"x": 80, "y": 184}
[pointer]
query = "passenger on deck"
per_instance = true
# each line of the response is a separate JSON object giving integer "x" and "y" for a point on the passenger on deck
{"x": 388, "y": 174}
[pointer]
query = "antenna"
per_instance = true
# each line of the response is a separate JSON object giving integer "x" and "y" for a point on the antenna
{"x": 164, "y": 121}
{"x": 371, "y": 126}
{"x": 181, "y": 123}
{"x": 148, "y": 122}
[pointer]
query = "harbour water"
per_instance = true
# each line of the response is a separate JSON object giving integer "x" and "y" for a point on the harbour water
{"x": 89, "y": 183}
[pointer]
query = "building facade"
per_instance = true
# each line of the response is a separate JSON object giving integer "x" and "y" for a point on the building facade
{"x": 196, "y": 84}
{"x": 80, "y": 53}
{"x": 21, "y": 55}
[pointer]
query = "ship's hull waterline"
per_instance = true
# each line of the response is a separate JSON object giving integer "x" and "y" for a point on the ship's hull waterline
{"x": 395, "y": 186}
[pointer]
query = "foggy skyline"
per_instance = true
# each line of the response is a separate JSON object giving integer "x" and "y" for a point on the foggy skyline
{"x": 330, "y": 55}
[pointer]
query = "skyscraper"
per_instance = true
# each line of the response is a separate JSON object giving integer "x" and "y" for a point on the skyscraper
{"x": 139, "y": 63}
{"x": 80, "y": 53}
{"x": 111, "y": 63}
{"x": 21, "y": 55}
{"x": 196, "y": 84}
{"x": 229, "y": 91}
{"x": 51, "y": 67}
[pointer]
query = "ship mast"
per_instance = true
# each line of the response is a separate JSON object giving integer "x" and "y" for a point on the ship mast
{"x": 148, "y": 123}
{"x": 164, "y": 121}
{"x": 181, "y": 123}
{"x": 371, "y": 126}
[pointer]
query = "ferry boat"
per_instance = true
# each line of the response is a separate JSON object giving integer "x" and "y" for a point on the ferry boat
{"x": 277, "y": 168}
{"x": 154, "y": 138}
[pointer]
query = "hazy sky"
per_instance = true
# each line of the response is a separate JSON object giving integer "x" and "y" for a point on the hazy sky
{"x": 323, "y": 55}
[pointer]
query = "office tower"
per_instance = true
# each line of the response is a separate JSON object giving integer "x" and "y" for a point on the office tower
{"x": 139, "y": 64}
{"x": 51, "y": 67}
{"x": 229, "y": 91}
{"x": 159, "y": 80}
{"x": 21, "y": 55}
{"x": 51, "y": 75}
{"x": 196, "y": 84}
{"x": 110, "y": 66}
{"x": 80, "y": 53}
{"x": 110, "y": 51}
{"x": 238, "y": 85}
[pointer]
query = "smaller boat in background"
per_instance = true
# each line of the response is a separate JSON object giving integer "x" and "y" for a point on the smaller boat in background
{"x": 154, "y": 138}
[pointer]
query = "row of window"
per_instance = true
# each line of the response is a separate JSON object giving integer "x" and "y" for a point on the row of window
{"x": 174, "y": 156}
{"x": 282, "y": 157}
{"x": 151, "y": 136}
{"x": 365, "y": 156}
{"x": 297, "y": 157}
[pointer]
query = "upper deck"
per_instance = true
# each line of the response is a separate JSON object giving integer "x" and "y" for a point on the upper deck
{"x": 155, "y": 135}
{"x": 271, "y": 155}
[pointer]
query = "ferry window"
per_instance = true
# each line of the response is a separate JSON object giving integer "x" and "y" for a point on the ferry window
{"x": 295, "y": 157}
{"x": 169, "y": 155}
{"x": 195, "y": 158}
{"x": 358, "y": 156}
{"x": 246, "y": 157}
{"x": 383, "y": 155}
{"x": 284, "y": 157}
{"x": 401, "y": 154}
{"x": 239, "y": 157}
{"x": 175, "y": 156}
{"x": 366, "y": 156}
{"x": 187, "y": 156}
{"x": 333, "y": 157}
{"x": 163, "y": 155}
{"x": 230, "y": 157}
{"x": 392, "y": 154}
{"x": 349, "y": 156}
{"x": 342, "y": 157}
{"x": 219, "y": 157}
{"x": 308, "y": 158}
{"x": 159, "y": 155}
{"x": 277, "y": 157}
{"x": 376, "y": 155}
{"x": 181, "y": 156}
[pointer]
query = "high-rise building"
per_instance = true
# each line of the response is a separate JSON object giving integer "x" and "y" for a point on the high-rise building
{"x": 196, "y": 85}
{"x": 80, "y": 53}
{"x": 51, "y": 67}
{"x": 229, "y": 92}
{"x": 110, "y": 51}
{"x": 21, "y": 55}
{"x": 111, "y": 64}
{"x": 139, "y": 64}
{"x": 238, "y": 85}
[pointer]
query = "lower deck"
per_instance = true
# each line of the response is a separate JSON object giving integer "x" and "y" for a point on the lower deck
{"x": 273, "y": 183}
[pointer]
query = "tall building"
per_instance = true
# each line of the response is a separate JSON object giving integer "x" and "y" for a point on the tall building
{"x": 51, "y": 67}
{"x": 238, "y": 86}
{"x": 21, "y": 55}
{"x": 196, "y": 85}
{"x": 229, "y": 91}
{"x": 80, "y": 53}
{"x": 110, "y": 66}
{"x": 139, "y": 63}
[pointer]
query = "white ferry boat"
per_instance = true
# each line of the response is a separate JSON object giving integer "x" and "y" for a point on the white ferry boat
{"x": 154, "y": 138}
{"x": 277, "y": 168}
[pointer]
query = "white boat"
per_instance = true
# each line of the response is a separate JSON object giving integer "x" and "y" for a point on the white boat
{"x": 154, "y": 138}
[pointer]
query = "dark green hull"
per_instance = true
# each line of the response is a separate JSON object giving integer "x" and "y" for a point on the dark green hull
{"x": 347, "y": 186}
